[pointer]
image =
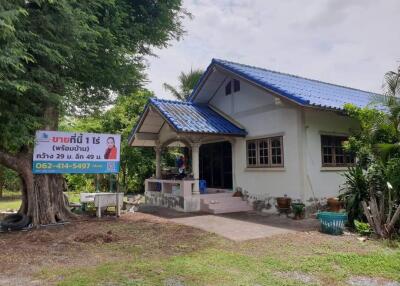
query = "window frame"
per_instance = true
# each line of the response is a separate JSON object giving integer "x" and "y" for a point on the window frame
{"x": 269, "y": 163}
{"x": 232, "y": 86}
{"x": 236, "y": 85}
{"x": 333, "y": 149}
{"x": 228, "y": 88}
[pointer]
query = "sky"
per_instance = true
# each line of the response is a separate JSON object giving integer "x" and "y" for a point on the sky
{"x": 346, "y": 42}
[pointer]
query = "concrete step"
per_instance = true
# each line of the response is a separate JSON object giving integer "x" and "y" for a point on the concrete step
{"x": 216, "y": 195}
{"x": 224, "y": 205}
{"x": 217, "y": 200}
{"x": 227, "y": 209}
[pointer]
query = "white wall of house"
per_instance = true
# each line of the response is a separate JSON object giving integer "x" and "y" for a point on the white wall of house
{"x": 323, "y": 181}
{"x": 302, "y": 176}
{"x": 262, "y": 117}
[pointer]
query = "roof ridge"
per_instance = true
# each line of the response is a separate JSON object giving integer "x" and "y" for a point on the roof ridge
{"x": 292, "y": 75}
{"x": 154, "y": 98}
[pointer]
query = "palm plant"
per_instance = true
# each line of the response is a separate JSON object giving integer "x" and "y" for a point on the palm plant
{"x": 392, "y": 83}
{"x": 187, "y": 82}
{"x": 354, "y": 192}
{"x": 375, "y": 182}
{"x": 383, "y": 209}
{"x": 391, "y": 101}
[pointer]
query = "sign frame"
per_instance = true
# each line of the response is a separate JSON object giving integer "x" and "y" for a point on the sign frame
{"x": 58, "y": 152}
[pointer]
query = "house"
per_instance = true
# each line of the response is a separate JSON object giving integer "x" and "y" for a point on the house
{"x": 269, "y": 133}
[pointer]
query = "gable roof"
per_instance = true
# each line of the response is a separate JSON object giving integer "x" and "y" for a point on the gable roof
{"x": 306, "y": 92}
{"x": 189, "y": 117}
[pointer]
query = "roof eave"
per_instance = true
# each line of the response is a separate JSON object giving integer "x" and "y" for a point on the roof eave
{"x": 215, "y": 63}
{"x": 138, "y": 124}
{"x": 201, "y": 81}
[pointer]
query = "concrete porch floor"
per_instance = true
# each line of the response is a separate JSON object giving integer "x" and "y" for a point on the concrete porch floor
{"x": 237, "y": 226}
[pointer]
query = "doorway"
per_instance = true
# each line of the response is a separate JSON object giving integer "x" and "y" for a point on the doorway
{"x": 216, "y": 164}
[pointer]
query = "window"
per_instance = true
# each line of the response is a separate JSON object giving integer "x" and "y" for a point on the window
{"x": 228, "y": 88}
{"x": 265, "y": 152}
{"x": 333, "y": 153}
{"x": 251, "y": 153}
{"x": 236, "y": 85}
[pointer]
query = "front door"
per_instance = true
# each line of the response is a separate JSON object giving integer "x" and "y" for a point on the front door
{"x": 216, "y": 164}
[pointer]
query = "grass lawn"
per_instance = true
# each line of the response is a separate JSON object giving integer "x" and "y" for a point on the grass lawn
{"x": 12, "y": 204}
{"x": 10, "y": 201}
{"x": 141, "y": 249}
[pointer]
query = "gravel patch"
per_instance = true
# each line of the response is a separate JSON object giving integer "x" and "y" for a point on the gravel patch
{"x": 368, "y": 281}
{"x": 173, "y": 282}
{"x": 298, "y": 276}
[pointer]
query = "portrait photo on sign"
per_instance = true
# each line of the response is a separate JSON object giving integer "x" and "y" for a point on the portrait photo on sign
{"x": 111, "y": 150}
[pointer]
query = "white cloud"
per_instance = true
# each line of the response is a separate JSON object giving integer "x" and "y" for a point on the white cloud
{"x": 351, "y": 42}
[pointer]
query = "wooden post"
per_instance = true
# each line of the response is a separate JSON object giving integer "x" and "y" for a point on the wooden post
{"x": 110, "y": 181}
{"x": 97, "y": 182}
{"x": 117, "y": 208}
{"x": 99, "y": 209}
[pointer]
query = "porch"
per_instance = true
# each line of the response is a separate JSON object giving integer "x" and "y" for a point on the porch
{"x": 206, "y": 141}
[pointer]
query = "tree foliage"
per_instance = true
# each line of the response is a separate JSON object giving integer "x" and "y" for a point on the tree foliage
{"x": 187, "y": 82}
{"x": 137, "y": 164}
{"x": 74, "y": 55}
{"x": 69, "y": 57}
{"x": 372, "y": 189}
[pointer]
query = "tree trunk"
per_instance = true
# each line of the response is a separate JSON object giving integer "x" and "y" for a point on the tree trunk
{"x": 2, "y": 183}
{"x": 393, "y": 221}
{"x": 42, "y": 195}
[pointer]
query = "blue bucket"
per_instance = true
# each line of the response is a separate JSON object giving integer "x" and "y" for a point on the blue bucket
{"x": 332, "y": 223}
{"x": 202, "y": 186}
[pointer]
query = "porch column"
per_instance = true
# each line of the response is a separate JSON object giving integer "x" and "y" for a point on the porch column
{"x": 158, "y": 161}
{"x": 234, "y": 183}
{"x": 195, "y": 167}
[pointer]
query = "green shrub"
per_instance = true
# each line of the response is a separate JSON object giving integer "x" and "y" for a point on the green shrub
{"x": 354, "y": 192}
{"x": 362, "y": 228}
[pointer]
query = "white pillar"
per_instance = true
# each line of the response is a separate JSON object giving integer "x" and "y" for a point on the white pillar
{"x": 158, "y": 161}
{"x": 195, "y": 167}
{"x": 234, "y": 183}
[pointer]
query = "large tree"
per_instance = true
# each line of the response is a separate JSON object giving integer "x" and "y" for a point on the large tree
{"x": 69, "y": 56}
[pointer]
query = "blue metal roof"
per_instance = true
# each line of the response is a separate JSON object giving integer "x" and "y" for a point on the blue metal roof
{"x": 195, "y": 118}
{"x": 301, "y": 90}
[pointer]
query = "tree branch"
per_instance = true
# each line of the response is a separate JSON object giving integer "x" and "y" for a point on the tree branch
{"x": 8, "y": 160}
{"x": 393, "y": 220}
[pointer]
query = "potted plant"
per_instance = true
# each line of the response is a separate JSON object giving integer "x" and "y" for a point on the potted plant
{"x": 238, "y": 192}
{"x": 283, "y": 202}
{"x": 298, "y": 210}
{"x": 334, "y": 205}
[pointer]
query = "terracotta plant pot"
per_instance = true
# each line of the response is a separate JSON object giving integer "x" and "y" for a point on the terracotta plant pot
{"x": 238, "y": 194}
{"x": 334, "y": 205}
{"x": 283, "y": 202}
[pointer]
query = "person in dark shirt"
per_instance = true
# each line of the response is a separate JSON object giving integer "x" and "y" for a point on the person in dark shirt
{"x": 180, "y": 163}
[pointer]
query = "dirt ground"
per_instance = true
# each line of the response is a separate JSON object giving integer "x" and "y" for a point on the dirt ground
{"x": 88, "y": 241}
{"x": 36, "y": 257}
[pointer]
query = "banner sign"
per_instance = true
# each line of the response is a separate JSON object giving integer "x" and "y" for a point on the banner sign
{"x": 65, "y": 152}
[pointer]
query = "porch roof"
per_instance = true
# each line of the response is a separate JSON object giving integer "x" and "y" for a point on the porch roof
{"x": 188, "y": 117}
